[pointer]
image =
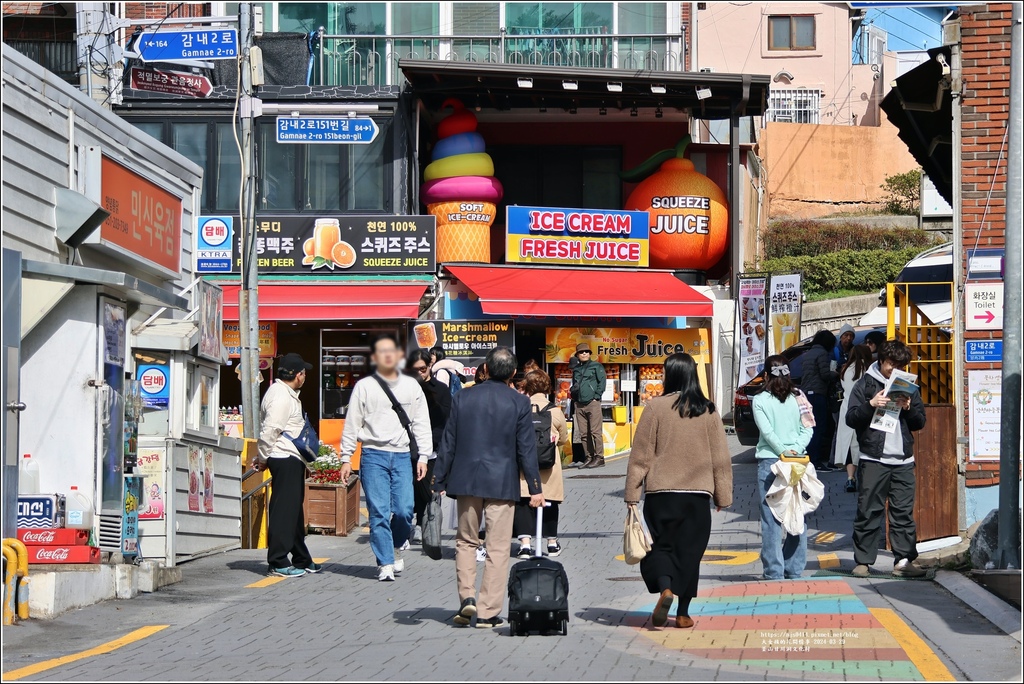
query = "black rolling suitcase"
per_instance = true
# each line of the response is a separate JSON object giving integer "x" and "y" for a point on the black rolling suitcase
{"x": 538, "y": 593}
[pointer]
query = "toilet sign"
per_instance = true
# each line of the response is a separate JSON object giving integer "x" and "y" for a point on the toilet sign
{"x": 156, "y": 388}
{"x": 983, "y": 305}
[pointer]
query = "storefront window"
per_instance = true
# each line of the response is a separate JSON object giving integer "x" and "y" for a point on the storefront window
{"x": 201, "y": 396}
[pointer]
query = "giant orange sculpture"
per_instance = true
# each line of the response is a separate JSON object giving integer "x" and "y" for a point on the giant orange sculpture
{"x": 689, "y": 213}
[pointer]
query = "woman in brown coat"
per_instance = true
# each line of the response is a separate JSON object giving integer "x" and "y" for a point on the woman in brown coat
{"x": 538, "y": 387}
{"x": 681, "y": 459}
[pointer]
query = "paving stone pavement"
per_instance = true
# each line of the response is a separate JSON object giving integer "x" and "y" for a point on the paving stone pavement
{"x": 343, "y": 624}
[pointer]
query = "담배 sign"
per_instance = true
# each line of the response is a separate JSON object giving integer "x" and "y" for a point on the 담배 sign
{"x": 197, "y": 43}
{"x": 985, "y": 388}
{"x": 155, "y": 384}
{"x": 983, "y": 305}
{"x": 338, "y": 130}
{"x": 584, "y": 237}
{"x": 213, "y": 244}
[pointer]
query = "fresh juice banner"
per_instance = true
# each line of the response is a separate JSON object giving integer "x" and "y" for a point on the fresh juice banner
{"x": 628, "y": 345}
{"x": 583, "y": 237}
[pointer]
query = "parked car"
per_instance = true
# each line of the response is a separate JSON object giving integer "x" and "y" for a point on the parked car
{"x": 742, "y": 410}
{"x": 934, "y": 265}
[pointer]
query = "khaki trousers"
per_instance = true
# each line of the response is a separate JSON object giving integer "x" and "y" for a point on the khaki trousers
{"x": 587, "y": 428}
{"x": 499, "y": 533}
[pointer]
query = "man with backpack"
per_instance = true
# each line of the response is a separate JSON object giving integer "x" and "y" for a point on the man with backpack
{"x": 551, "y": 433}
{"x": 588, "y": 384}
{"x": 488, "y": 441}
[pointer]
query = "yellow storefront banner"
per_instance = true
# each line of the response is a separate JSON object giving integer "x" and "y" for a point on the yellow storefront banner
{"x": 628, "y": 345}
{"x": 581, "y": 251}
{"x": 267, "y": 336}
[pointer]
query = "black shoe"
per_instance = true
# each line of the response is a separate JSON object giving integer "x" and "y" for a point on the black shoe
{"x": 554, "y": 549}
{"x": 587, "y": 463}
{"x": 825, "y": 468}
{"x": 490, "y": 623}
{"x": 466, "y": 612}
{"x": 597, "y": 463}
{"x": 851, "y": 485}
{"x": 524, "y": 552}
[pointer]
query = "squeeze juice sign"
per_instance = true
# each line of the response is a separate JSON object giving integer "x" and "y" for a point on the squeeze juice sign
{"x": 590, "y": 237}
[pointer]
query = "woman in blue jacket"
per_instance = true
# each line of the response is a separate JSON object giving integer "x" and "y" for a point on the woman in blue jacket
{"x": 777, "y": 415}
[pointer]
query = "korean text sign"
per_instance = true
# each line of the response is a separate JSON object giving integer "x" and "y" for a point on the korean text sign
{"x": 590, "y": 237}
{"x": 784, "y": 311}
{"x": 145, "y": 219}
{"x": 342, "y": 244}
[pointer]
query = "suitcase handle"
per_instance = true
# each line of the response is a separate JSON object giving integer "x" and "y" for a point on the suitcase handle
{"x": 537, "y": 550}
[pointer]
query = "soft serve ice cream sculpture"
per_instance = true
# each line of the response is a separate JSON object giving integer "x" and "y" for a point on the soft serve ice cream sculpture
{"x": 460, "y": 189}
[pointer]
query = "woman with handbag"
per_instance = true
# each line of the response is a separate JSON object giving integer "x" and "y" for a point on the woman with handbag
{"x": 681, "y": 460}
{"x": 537, "y": 386}
{"x": 783, "y": 435}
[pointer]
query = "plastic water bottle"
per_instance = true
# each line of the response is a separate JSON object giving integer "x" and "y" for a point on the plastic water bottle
{"x": 79, "y": 510}
{"x": 28, "y": 476}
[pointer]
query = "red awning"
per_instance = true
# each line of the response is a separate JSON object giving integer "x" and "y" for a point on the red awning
{"x": 329, "y": 301}
{"x": 526, "y": 291}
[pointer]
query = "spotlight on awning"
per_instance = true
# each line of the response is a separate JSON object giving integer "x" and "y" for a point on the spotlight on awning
{"x": 524, "y": 82}
{"x": 614, "y": 87}
{"x": 570, "y": 85}
{"x": 658, "y": 89}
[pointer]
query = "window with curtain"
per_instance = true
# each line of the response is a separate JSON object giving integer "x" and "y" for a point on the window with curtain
{"x": 791, "y": 33}
{"x": 226, "y": 169}
{"x": 349, "y": 177}
{"x": 642, "y": 17}
{"x": 277, "y": 171}
{"x": 415, "y": 19}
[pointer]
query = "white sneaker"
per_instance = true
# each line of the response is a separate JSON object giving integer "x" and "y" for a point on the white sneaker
{"x": 481, "y": 554}
{"x": 386, "y": 573}
{"x": 417, "y": 535}
{"x": 404, "y": 546}
{"x": 399, "y": 560}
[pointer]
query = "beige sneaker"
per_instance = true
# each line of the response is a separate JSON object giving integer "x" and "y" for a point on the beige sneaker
{"x": 906, "y": 568}
{"x": 861, "y": 571}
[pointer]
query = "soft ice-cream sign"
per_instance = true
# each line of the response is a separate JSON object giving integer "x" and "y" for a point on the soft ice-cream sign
{"x": 590, "y": 237}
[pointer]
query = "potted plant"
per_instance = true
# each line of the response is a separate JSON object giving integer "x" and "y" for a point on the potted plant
{"x": 330, "y": 505}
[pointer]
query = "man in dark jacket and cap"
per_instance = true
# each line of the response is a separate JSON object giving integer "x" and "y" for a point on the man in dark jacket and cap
{"x": 488, "y": 440}
{"x": 588, "y": 384}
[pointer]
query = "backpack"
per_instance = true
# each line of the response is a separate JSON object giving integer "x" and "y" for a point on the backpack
{"x": 454, "y": 380}
{"x": 545, "y": 447}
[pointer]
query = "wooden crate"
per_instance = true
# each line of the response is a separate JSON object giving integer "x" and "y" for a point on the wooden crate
{"x": 333, "y": 507}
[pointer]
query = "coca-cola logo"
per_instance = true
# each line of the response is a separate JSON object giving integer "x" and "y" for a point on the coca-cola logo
{"x": 59, "y": 554}
{"x": 45, "y": 537}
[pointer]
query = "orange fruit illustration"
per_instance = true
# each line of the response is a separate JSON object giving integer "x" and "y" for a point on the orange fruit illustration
{"x": 343, "y": 254}
{"x": 307, "y": 247}
{"x": 682, "y": 236}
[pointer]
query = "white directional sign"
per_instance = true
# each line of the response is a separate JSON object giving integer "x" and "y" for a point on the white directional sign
{"x": 983, "y": 306}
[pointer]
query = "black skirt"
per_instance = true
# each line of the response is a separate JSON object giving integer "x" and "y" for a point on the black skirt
{"x": 680, "y": 524}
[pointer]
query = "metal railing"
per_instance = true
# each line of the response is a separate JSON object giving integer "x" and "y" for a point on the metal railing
{"x": 930, "y": 344}
{"x": 373, "y": 60}
{"x": 60, "y": 57}
{"x": 259, "y": 493}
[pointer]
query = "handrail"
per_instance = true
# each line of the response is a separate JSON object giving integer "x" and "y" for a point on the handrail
{"x": 247, "y": 500}
{"x": 931, "y": 343}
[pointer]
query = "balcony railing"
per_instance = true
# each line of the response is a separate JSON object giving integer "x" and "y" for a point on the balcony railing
{"x": 373, "y": 60}
{"x": 60, "y": 57}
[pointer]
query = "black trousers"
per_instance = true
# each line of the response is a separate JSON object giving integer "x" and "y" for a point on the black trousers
{"x": 421, "y": 492}
{"x": 286, "y": 529}
{"x": 879, "y": 483}
{"x": 680, "y": 525}
{"x": 525, "y": 521}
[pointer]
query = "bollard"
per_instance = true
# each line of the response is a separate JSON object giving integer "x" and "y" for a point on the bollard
{"x": 11, "y": 556}
{"x": 21, "y": 572}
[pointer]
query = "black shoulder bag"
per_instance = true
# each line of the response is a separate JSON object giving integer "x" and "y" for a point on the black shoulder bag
{"x": 403, "y": 417}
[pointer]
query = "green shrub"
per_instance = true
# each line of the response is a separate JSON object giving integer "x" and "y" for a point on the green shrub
{"x": 903, "y": 192}
{"x": 812, "y": 238}
{"x": 857, "y": 270}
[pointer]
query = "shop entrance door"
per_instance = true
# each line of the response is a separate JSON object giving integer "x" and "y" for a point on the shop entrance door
{"x": 12, "y": 386}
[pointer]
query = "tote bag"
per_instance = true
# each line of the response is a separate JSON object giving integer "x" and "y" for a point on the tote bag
{"x": 636, "y": 542}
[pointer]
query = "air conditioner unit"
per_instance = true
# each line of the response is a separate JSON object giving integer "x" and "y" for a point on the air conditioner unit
{"x": 706, "y": 70}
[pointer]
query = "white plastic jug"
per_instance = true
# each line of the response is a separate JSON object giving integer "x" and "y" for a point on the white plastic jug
{"x": 79, "y": 510}
{"x": 28, "y": 476}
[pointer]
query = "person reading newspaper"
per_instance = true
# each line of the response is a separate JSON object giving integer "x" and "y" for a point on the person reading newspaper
{"x": 885, "y": 410}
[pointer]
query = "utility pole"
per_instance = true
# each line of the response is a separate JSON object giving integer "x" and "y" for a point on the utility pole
{"x": 1009, "y": 429}
{"x": 248, "y": 299}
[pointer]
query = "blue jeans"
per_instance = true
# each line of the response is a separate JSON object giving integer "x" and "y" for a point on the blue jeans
{"x": 387, "y": 481}
{"x": 779, "y": 558}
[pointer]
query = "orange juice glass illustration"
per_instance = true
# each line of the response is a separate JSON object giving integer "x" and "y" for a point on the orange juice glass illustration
{"x": 426, "y": 335}
{"x": 326, "y": 234}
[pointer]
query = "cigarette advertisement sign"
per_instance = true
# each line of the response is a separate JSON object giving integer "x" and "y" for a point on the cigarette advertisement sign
{"x": 581, "y": 237}
{"x": 784, "y": 311}
{"x": 467, "y": 342}
{"x": 752, "y": 326}
{"x": 341, "y": 245}
{"x": 628, "y": 345}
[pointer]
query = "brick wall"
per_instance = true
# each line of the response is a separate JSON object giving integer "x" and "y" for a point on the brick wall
{"x": 159, "y": 10}
{"x": 691, "y": 28}
{"x": 985, "y": 50}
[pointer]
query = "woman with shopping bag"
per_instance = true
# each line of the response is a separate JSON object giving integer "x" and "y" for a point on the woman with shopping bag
{"x": 681, "y": 460}
{"x": 784, "y": 437}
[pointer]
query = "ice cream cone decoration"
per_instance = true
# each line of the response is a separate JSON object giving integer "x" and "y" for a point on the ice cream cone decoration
{"x": 460, "y": 189}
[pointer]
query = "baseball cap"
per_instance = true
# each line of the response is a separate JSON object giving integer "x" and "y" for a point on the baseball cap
{"x": 293, "y": 362}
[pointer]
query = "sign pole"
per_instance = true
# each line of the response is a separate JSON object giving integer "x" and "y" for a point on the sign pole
{"x": 1009, "y": 440}
{"x": 248, "y": 298}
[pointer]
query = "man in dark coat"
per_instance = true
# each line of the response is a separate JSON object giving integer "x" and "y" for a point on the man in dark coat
{"x": 588, "y": 384}
{"x": 488, "y": 440}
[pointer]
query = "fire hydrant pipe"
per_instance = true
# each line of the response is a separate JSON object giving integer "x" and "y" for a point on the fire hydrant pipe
{"x": 9, "y": 584}
{"x": 21, "y": 572}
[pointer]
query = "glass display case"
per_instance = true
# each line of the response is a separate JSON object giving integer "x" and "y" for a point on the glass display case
{"x": 340, "y": 369}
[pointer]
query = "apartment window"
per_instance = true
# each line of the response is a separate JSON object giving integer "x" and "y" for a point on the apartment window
{"x": 794, "y": 105}
{"x": 791, "y": 33}
{"x": 415, "y": 19}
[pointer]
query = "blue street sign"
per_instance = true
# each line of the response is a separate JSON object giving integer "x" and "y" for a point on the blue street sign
{"x": 214, "y": 243}
{"x": 360, "y": 130}
{"x": 983, "y": 351}
{"x": 199, "y": 43}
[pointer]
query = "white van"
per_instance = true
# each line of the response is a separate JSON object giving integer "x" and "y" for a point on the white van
{"x": 935, "y": 301}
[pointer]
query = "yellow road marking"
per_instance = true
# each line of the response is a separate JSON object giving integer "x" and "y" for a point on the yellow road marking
{"x": 825, "y": 538}
{"x": 928, "y": 664}
{"x": 131, "y": 637}
{"x": 828, "y": 560}
{"x": 274, "y": 579}
{"x": 616, "y": 458}
{"x": 723, "y": 557}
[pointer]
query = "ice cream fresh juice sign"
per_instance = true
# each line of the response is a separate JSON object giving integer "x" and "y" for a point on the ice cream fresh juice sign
{"x": 590, "y": 237}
